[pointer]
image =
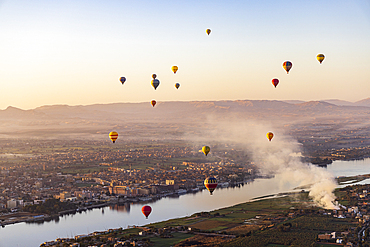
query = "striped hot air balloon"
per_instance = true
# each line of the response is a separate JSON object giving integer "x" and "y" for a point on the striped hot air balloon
{"x": 211, "y": 184}
{"x": 320, "y": 57}
{"x": 113, "y": 136}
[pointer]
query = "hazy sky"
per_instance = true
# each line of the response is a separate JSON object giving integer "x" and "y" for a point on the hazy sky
{"x": 74, "y": 52}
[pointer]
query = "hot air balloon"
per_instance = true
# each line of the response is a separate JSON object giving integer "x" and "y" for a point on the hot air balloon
{"x": 270, "y": 135}
{"x": 154, "y": 76}
{"x": 177, "y": 85}
{"x": 211, "y": 184}
{"x": 122, "y": 79}
{"x": 320, "y": 57}
{"x": 208, "y": 31}
{"x": 287, "y": 66}
{"x": 113, "y": 136}
{"x": 155, "y": 83}
{"x": 153, "y": 102}
{"x": 146, "y": 210}
{"x": 206, "y": 150}
{"x": 275, "y": 82}
{"x": 174, "y": 69}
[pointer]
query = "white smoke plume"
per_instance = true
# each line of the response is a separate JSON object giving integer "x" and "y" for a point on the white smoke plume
{"x": 278, "y": 157}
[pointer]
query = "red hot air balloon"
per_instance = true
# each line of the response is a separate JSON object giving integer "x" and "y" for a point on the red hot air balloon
{"x": 275, "y": 82}
{"x": 146, "y": 210}
{"x": 153, "y": 102}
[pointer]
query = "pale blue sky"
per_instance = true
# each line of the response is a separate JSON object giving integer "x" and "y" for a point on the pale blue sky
{"x": 74, "y": 52}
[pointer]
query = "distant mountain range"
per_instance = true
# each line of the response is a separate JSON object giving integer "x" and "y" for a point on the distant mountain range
{"x": 138, "y": 118}
{"x": 364, "y": 102}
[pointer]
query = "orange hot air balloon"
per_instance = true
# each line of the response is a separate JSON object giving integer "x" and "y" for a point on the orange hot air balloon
{"x": 275, "y": 82}
{"x": 270, "y": 135}
{"x": 320, "y": 57}
{"x": 113, "y": 136}
{"x": 211, "y": 184}
{"x": 146, "y": 210}
{"x": 287, "y": 66}
{"x": 174, "y": 69}
{"x": 208, "y": 31}
{"x": 153, "y": 102}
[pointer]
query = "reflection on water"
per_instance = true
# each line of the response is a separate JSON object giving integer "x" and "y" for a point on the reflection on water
{"x": 121, "y": 207}
{"x": 130, "y": 214}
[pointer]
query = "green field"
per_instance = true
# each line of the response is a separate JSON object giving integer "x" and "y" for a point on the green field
{"x": 177, "y": 237}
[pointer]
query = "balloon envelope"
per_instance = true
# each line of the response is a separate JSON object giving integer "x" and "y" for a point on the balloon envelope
{"x": 275, "y": 82}
{"x": 155, "y": 83}
{"x": 287, "y": 66}
{"x": 269, "y": 135}
{"x": 154, "y": 76}
{"x": 320, "y": 57}
{"x": 153, "y": 102}
{"x": 177, "y": 85}
{"x": 113, "y": 136}
{"x": 208, "y": 31}
{"x": 146, "y": 210}
{"x": 211, "y": 184}
{"x": 122, "y": 79}
{"x": 174, "y": 69}
{"x": 206, "y": 150}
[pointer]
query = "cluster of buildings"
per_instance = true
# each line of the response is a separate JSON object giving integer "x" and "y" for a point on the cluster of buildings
{"x": 24, "y": 185}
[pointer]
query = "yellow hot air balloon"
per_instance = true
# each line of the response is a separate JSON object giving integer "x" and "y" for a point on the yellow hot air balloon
{"x": 206, "y": 150}
{"x": 270, "y": 135}
{"x": 113, "y": 136}
{"x": 174, "y": 69}
{"x": 320, "y": 57}
{"x": 208, "y": 31}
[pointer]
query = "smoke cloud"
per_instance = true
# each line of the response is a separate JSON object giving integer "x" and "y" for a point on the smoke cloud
{"x": 280, "y": 157}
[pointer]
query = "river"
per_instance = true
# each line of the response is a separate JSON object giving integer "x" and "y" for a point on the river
{"x": 33, "y": 234}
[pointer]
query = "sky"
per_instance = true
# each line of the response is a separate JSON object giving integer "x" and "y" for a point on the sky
{"x": 74, "y": 51}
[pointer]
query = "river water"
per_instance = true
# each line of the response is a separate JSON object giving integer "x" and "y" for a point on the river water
{"x": 33, "y": 234}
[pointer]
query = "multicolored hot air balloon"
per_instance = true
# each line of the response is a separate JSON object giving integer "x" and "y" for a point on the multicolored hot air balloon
{"x": 208, "y": 31}
{"x": 174, "y": 69}
{"x": 211, "y": 184}
{"x": 146, "y": 210}
{"x": 320, "y": 57}
{"x": 155, "y": 83}
{"x": 270, "y": 135}
{"x": 113, "y": 136}
{"x": 153, "y": 102}
{"x": 177, "y": 85}
{"x": 287, "y": 66}
{"x": 275, "y": 82}
{"x": 122, "y": 79}
{"x": 206, "y": 150}
{"x": 154, "y": 76}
